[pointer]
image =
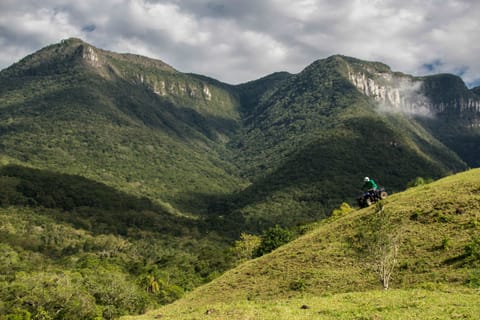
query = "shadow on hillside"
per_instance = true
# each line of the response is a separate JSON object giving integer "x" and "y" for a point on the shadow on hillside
{"x": 173, "y": 114}
{"x": 325, "y": 173}
{"x": 85, "y": 203}
{"x": 177, "y": 118}
{"x": 337, "y": 162}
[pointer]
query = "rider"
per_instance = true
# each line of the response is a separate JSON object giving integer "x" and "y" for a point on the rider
{"x": 369, "y": 185}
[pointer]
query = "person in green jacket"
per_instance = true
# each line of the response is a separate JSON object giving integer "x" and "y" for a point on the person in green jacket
{"x": 369, "y": 184}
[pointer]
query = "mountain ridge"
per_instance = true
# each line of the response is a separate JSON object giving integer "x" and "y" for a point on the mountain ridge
{"x": 255, "y": 128}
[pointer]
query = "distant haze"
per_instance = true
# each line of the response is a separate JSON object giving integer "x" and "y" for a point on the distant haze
{"x": 241, "y": 40}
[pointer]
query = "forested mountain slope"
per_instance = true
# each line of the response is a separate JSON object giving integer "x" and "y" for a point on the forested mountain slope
{"x": 309, "y": 143}
{"x": 200, "y": 147}
{"x": 131, "y": 122}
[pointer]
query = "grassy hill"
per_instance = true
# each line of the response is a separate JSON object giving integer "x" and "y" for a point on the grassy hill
{"x": 332, "y": 269}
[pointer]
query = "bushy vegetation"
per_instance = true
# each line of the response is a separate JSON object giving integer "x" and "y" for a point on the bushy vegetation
{"x": 72, "y": 248}
{"x": 272, "y": 238}
{"x": 418, "y": 181}
{"x": 245, "y": 248}
{"x": 342, "y": 210}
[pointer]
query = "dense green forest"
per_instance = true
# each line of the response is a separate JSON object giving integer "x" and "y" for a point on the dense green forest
{"x": 125, "y": 183}
{"x": 73, "y": 248}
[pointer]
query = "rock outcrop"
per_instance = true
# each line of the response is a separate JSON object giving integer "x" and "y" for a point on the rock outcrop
{"x": 407, "y": 94}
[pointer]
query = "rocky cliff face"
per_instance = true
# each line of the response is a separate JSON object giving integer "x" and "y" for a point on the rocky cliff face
{"x": 157, "y": 79}
{"x": 163, "y": 86}
{"x": 410, "y": 95}
{"x": 393, "y": 93}
{"x": 90, "y": 56}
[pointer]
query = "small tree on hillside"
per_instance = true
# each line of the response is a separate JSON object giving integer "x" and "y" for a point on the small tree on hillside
{"x": 246, "y": 247}
{"x": 381, "y": 243}
{"x": 419, "y": 181}
{"x": 273, "y": 238}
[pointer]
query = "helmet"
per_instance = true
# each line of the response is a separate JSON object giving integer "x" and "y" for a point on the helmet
{"x": 366, "y": 179}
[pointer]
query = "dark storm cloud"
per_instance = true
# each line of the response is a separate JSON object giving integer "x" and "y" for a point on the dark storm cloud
{"x": 240, "y": 40}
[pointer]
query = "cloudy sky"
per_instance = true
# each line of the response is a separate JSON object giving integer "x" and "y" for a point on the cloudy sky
{"x": 241, "y": 40}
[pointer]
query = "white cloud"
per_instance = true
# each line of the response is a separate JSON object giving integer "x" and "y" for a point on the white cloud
{"x": 241, "y": 40}
{"x": 411, "y": 101}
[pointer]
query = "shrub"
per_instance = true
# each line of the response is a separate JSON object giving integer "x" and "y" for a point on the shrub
{"x": 19, "y": 315}
{"x": 446, "y": 243}
{"x": 298, "y": 285}
{"x": 246, "y": 247}
{"x": 273, "y": 238}
{"x": 342, "y": 210}
{"x": 416, "y": 215}
{"x": 472, "y": 251}
{"x": 419, "y": 181}
{"x": 473, "y": 280}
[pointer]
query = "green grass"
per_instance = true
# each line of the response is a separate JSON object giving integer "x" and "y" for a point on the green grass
{"x": 448, "y": 303}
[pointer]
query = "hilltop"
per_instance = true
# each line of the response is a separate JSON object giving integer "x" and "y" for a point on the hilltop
{"x": 437, "y": 227}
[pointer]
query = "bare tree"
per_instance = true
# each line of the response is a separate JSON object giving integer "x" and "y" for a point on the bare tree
{"x": 385, "y": 256}
{"x": 381, "y": 242}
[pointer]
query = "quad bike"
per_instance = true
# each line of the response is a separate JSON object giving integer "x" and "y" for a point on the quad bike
{"x": 372, "y": 196}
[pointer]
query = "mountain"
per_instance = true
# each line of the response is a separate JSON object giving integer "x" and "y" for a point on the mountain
{"x": 301, "y": 143}
{"x": 201, "y": 147}
{"x": 120, "y": 166}
{"x": 476, "y": 90}
{"x": 458, "y": 123}
{"x": 131, "y": 122}
{"x": 103, "y": 157}
{"x": 332, "y": 270}
{"x": 441, "y": 103}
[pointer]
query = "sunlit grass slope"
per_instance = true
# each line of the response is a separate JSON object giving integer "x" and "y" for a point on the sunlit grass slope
{"x": 392, "y": 304}
{"x": 326, "y": 270}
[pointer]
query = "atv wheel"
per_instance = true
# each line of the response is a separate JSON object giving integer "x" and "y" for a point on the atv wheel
{"x": 361, "y": 203}
{"x": 368, "y": 202}
{"x": 383, "y": 194}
